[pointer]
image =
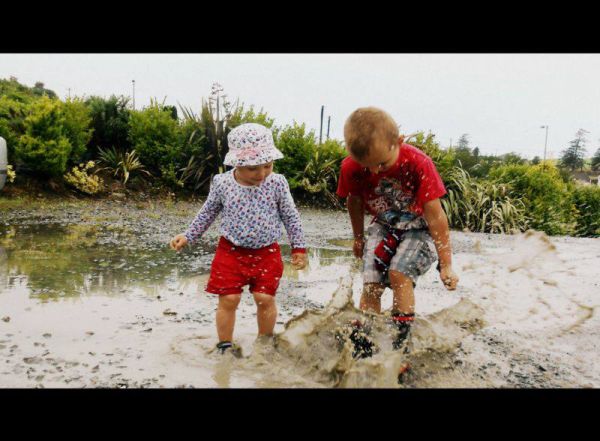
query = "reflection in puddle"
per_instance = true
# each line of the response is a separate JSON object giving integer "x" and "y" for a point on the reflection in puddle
{"x": 67, "y": 260}
{"x": 56, "y": 260}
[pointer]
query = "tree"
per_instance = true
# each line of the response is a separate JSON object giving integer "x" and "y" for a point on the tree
{"x": 596, "y": 160}
{"x": 512, "y": 158}
{"x": 573, "y": 156}
{"x": 40, "y": 90}
{"x": 536, "y": 160}
{"x": 463, "y": 141}
{"x": 463, "y": 154}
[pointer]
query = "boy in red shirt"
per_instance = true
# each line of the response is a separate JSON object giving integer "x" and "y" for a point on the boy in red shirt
{"x": 399, "y": 185}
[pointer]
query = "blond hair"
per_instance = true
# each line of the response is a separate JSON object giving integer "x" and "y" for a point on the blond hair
{"x": 367, "y": 125}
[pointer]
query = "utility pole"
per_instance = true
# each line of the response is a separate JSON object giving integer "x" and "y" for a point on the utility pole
{"x": 321, "y": 130}
{"x": 545, "y": 146}
{"x": 328, "y": 124}
{"x": 69, "y": 93}
{"x": 133, "y": 82}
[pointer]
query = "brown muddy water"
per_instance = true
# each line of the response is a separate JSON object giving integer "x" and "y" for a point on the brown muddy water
{"x": 91, "y": 296}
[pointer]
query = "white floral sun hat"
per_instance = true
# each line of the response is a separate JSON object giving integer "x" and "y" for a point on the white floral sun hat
{"x": 251, "y": 144}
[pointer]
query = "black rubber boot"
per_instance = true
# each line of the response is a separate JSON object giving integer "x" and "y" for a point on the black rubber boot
{"x": 227, "y": 346}
{"x": 402, "y": 323}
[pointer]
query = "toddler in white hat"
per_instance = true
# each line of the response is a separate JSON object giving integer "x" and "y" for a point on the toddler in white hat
{"x": 253, "y": 202}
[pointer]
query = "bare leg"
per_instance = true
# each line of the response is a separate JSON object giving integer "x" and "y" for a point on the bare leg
{"x": 266, "y": 313}
{"x": 226, "y": 316}
{"x": 371, "y": 297}
{"x": 404, "y": 296}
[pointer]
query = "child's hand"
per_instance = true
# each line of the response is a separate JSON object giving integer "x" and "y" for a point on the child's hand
{"x": 357, "y": 249}
{"x": 178, "y": 242}
{"x": 449, "y": 278}
{"x": 299, "y": 260}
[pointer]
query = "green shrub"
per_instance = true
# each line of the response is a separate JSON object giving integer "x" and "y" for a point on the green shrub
{"x": 10, "y": 174}
{"x": 45, "y": 147}
{"x": 297, "y": 147}
{"x": 244, "y": 116}
{"x": 443, "y": 159}
{"x": 153, "y": 133}
{"x": 319, "y": 179}
{"x": 15, "y": 91}
{"x": 77, "y": 120}
{"x": 311, "y": 169}
{"x": 586, "y": 199}
{"x": 84, "y": 181}
{"x": 545, "y": 195}
{"x": 12, "y": 117}
{"x": 53, "y": 134}
{"x": 109, "y": 119}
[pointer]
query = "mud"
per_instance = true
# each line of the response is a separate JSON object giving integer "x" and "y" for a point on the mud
{"x": 91, "y": 296}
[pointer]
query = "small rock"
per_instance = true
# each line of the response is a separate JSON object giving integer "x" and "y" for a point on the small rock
{"x": 47, "y": 335}
{"x": 169, "y": 312}
{"x": 6, "y": 319}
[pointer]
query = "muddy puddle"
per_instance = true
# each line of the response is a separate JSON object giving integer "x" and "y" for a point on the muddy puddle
{"x": 99, "y": 300}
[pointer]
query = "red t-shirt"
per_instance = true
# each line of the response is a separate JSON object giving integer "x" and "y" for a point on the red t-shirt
{"x": 406, "y": 186}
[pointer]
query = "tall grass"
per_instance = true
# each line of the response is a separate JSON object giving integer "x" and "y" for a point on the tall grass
{"x": 482, "y": 206}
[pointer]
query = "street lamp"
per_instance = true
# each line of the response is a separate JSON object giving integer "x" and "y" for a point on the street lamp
{"x": 545, "y": 145}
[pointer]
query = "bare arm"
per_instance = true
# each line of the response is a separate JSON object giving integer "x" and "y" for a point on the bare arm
{"x": 438, "y": 228}
{"x": 356, "y": 211}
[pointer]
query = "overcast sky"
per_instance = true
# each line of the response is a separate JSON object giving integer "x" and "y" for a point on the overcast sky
{"x": 500, "y": 100}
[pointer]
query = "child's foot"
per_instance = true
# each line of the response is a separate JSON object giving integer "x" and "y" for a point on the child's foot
{"x": 228, "y": 347}
{"x": 402, "y": 323}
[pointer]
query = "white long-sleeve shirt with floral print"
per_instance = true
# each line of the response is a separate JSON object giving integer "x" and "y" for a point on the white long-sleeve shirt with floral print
{"x": 251, "y": 216}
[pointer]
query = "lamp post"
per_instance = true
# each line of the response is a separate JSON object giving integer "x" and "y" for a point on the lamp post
{"x": 133, "y": 82}
{"x": 321, "y": 129}
{"x": 545, "y": 145}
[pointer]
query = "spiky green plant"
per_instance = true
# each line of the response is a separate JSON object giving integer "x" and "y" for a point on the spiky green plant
{"x": 122, "y": 165}
{"x": 195, "y": 172}
{"x": 482, "y": 206}
{"x": 319, "y": 176}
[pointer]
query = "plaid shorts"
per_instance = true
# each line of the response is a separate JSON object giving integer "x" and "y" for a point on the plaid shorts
{"x": 414, "y": 256}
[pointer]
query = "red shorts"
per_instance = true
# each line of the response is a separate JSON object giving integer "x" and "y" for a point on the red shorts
{"x": 233, "y": 267}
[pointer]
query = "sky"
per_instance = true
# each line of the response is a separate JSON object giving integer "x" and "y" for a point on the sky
{"x": 499, "y": 100}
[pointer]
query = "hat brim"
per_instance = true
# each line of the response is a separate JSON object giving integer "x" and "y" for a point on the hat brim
{"x": 232, "y": 159}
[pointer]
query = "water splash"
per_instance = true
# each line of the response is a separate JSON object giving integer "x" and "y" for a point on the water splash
{"x": 310, "y": 348}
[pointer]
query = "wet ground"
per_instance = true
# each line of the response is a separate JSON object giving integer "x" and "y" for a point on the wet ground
{"x": 91, "y": 296}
